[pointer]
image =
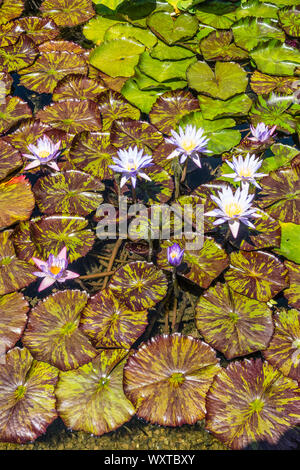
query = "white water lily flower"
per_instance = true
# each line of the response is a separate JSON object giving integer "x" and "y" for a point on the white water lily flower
{"x": 190, "y": 142}
{"x": 130, "y": 163}
{"x": 261, "y": 133}
{"x": 43, "y": 153}
{"x": 245, "y": 170}
{"x": 234, "y": 208}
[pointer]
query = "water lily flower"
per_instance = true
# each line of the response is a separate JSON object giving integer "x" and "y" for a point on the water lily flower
{"x": 54, "y": 269}
{"x": 234, "y": 208}
{"x": 130, "y": 163}
{"x": 175, "y": 254}
{"x": 261, "y": 133}
{"x": 43, "y": 153}
{"x": 190, "y": 142}
{"x": 245, "y": 170}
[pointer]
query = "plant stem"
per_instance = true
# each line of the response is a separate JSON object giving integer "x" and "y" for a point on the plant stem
{"x": 96, "y": 275}
{"x": 134, "y": 199}
{"x": 112, "y": 260}
{"x": 183, "y": 176}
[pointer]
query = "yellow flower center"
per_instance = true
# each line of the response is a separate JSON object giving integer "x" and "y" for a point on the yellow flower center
{"x": 232, "y": 209}
{"x": 173, "y": 255}
{"x": 246, "y": 172}
{"x": 188, "y": 145}
{"x": 44, "y": 154}
{"x": 55, "y": 270}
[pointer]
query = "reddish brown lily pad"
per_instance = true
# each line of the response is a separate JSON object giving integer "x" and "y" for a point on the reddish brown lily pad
{"x": 28, "y": 132}
{"x": 16, "y": 201}
{"x": 38, "y": 29}
{"x": 233, "y": 323}
{"x": 8, "y": 34}
{"x": 263, "y": 84}
{"x": 293, "y": 292}
{"x": 27, "y": 398}
{"x": 10, "y": 159}
{"x": 252, "y": 405}
{"x": 13, "y": 319}
{"x": 19, "y": 55}
{"x": 68, "y": 12}
{"x": 113, "y": 106}
{"x": 219, "y": 45}
{"x": 132, "y": 133}
{"x": 12, "y": 110}
{"x": 167, "y": 379}
{"x": 79, "y": 87}
{"x": 10, "y": 10}
{"x": 24, "y": 246}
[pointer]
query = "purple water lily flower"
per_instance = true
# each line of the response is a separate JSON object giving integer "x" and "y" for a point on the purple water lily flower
{"x": 43, "y": 153}
{"x": 190, "y": 142}
{"x": 54, "y": 269}
{"x": 175, "y": 254}
{"x": 261, "y": 133}
{"x": 130, "y": 163}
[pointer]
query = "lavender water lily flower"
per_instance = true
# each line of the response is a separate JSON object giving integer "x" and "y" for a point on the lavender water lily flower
{"x": 54, "y": 269}
{"x": 175, "y": 255}
{"x": 261, "y": 133}
{"x": 45, "y": 152}
{"x": 130, "y": 163}
{"x": 190, "y": 142}
{"x": 245, "y": 170}
{"x": 234, "y": 208}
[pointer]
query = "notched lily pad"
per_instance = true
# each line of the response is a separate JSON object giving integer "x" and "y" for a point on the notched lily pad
{"x": 113, "y": 106}
{"x": 168, "y": 377}
{"x": 293, "y": 292}
{"x": 274, "y": 111}
{"x": 172, "y": 30}
{"x": 13, "y": 319}
{"x": 19, "y": 55}
{"x": 12, "y": 110}
{"x": 250, "y": 32}
{"x": 132, "y": 133}
{"x": 10, "y": 159}
{"x": 79, "y": 87}
{"x": 10, "y": 10}
{"x": 275, "y": 58}
{"x": 68, "y": 12}
{"x": 16, "y": 201}
{"x": 219, "y": 45}
{"x": 38, "y": 29}
{"x": 289, "y": 19}
{"x": 263, "y": 84}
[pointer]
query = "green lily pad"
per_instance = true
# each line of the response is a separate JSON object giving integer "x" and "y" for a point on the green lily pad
{"x": 280, "y": 194}
{"x": 257, "y": 9}
{"x": 96, "y": 28}
{"x": 113, "y": 106}
{"x": 251, "y": 405}
{"x": 216, "y": 13}
{"x": 128, "y": 133}
{"x": 171, "y": 389}
{"x": 263, "y": 84}
{"x": 257, "y": 275}
{"x": 10, "y": 10}
{"x": 19, "y": 55}
{"x": 12, "y": 110}
{"x": 273, "y": 111}
{"x": 164, "y": 70}
{"x": 172, "y": 30}
{"x": 250, "y": 32}
{"x": 289, "y": 19}
{"x": 91, "y": 398}
{"x": 282, "y": 155}
{"x": 171, "y": 107}
{"x": 68, "y": 12}
{"x": 117, "y": 57}
{"x": 51, "y": 234}
{"x": 163, "y": 51}
{"x": 13, "y": 319}
{"x": 27, "y": 398}
{"x": 233, "y": 323}
{"x": 52, "y": 334}
{"x": 228, "y": 79}
{"x": 276, "y": 58}
{"x": 38, "y": 29}
{"x": 140, "y": 284}
{"x": 128, "y": 31}
{"x": 218, "y": 45}
{"x": 293, "y": 292}
{"x": 290, "y": 241}
{"x": 144, "y": 100}
{"x": 71, "y": 192}
{"x": 284, "y": 349}
{"x": 10, "y": 159}
{"x": 236, "y": 106}
{"x": 16, "y": 201}
{"x": 109, "y": 323}
{"x": 145, "y": 83}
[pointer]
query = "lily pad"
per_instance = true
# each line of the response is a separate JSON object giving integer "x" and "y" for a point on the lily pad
{"x": 6, "y": 83}
{"x": 164, "y": 52}
{"x": 128, "y": 31}
{"x": 273, "y": 111}
{"x": 12, "y": 110}
{"x": 257, "y": 275}
{"x": 144, "y": 100}
{"x": 14, "y": 273}
{"x": 172, "y": 30}
{"x": 68, "y": 12}
{"x": 228, "y": 79}
{"x": 218, "y": 45}
{"x": 109, "y": 323}
{"x": 140, "y": 284}
{"x": 13, "y": 319}
{"x": 28, "y": 132}
{"x": 164, "y": 70}
{"x": 289, "y": 19}
{"x": 171, "y": 389}
{"x": 233, "y": 323}
{"x": 146, "y": 83}
{"x": 16, "y": 201}
{"x": 290, "y": 241}
{"x": 275, "y": 58}
{"x": 282, "y": 155}
{"x": 250, "y": 32}
{"x": 27, "y": 399}
{"x": 9, "y": 34}
{"x": 113, "y": 106}
{"x": 51, "y": 234}
{"x": 213, "y": 108}
{"x": 293, "y": 292}
{"x": 128, "y": 133}
{"x": 284, "y": 349}
{"x": 10, "y": 10}
{"x": 263, "y": 84}
{"x": 91, "y": 398}
{"x": 19, "y": 55}
{"x": 79, "y": 87}
{"x": 257, "y": 9}
{"x": 23, "y": 244}
{"x": 171, "y": 107}
{"x": 52, "y": 334}
{"x": 216, "y": 13}
{"x": 251, "y": 405}
{"x": 38, "y": 29}
{"x": 10, "y": 159}
{"x": 96, "y": 28}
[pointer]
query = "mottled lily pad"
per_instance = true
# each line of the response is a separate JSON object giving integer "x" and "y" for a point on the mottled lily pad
{"x": 27, "y": 399}
{"x": 219, "y": 45}
{"x": 23, "y": 244}
{"x": 293, "y": 292}
{"x": 263, "y": 84}
{"x": 16, "y": 201}
{"x": 172, "y": 30}
{"x": 51, "y": 234}
{"x": 167, "y": 379}
{"x": 289, "y": 19}
{"x": 282, "y": 155}
{"x": 19, "y": 55}
{"x": 9, "y": 34}
{"x": 109, "y": 323}
{"x": 79, "y": 87}
{"x": 251, "y": 405}
{"x": 273, "y": 111}
{"x": 275, "y": 58}
{"x": 132, "y": 133}
{"x": 38, "y": 29}
{"x": 257, "y": 275}
{"x": 69, "y": 192}
{"x": 140, "y": 284}
{"x": 10, "y": 159}
{"x": 52, "y": 334}
{"x": 68, "y": 12}
{"x": 91, "y": 398}
{"x": 13, "y": 319}
{"x": 10, "y": 10}
{"x": 233, "y": 323}
{"x": 12, "y": 110}
{"x": 113, "y": 106}
{"x": 28, "y": 131}
{"x": 250, "y": 32}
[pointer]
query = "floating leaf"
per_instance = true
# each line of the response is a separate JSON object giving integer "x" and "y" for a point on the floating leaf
{"x": 228, "y": 79}
{"x": 91, "y": 398}
{"x": 233, "y": 323}
{"x": 12, "y": 110}
{"x": 109, "y": 323}
{"x": 14, "y": 273}
{"x": 96, "y": 28}
{"x": 9, "y": 34}
{"x": 27, "y": 399}
{"x": 16, "y": 201}
{"x": 79, "y": 87}
{"x": 168, "y": 377}
{"x": 19, "y": 55}
{"x": 52, "y": 233}
{"x": 216, "y": 13}
{"x": 263, "y": 84}
{"x": 128, "y": 133}
{"x": 6, "y": 81}
{"x": 146, "y": 83}
{"x": 52, "y": 334}
{"x": 289, "y": 19}
{"x": 10, "y": 159}
{"x": 140, "y": 284}
{"x": 290, "y": 241}
{"x": 38, "y": 29}
{"x": 72, "y": 116}
{"x": 164, "y": 52}
{"x": 68, "y": 12}
{"x": 127, "y": 31}
{"x": 172, "y": 30}
{"x": 28, "y": 131}
{"x": 212, "y": 108}
{"x": 144, "y": 100}
{"x": 252, "y": 405}
{"x": 23, "y": 244}
{"x": 13, "y": 319}
{"x": 283, "y": 154}
{"x": 276, "y": 58}
{"x": 62, "y": 46}
{"x": 256, "y": 274}
{"x": 293, "y": 292}
{"x": 113, "y": 106}
{"x": 257, "y": 9}
{"x": 164, "y": 70}
{"x": 280, "y": 195}
{"x": 250, "y": 32}
{"x": 273, "y": 111}
{"x": 10, "y": 10}
{"x": 170, "y": 108}
{"x": 218, "y": 45}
